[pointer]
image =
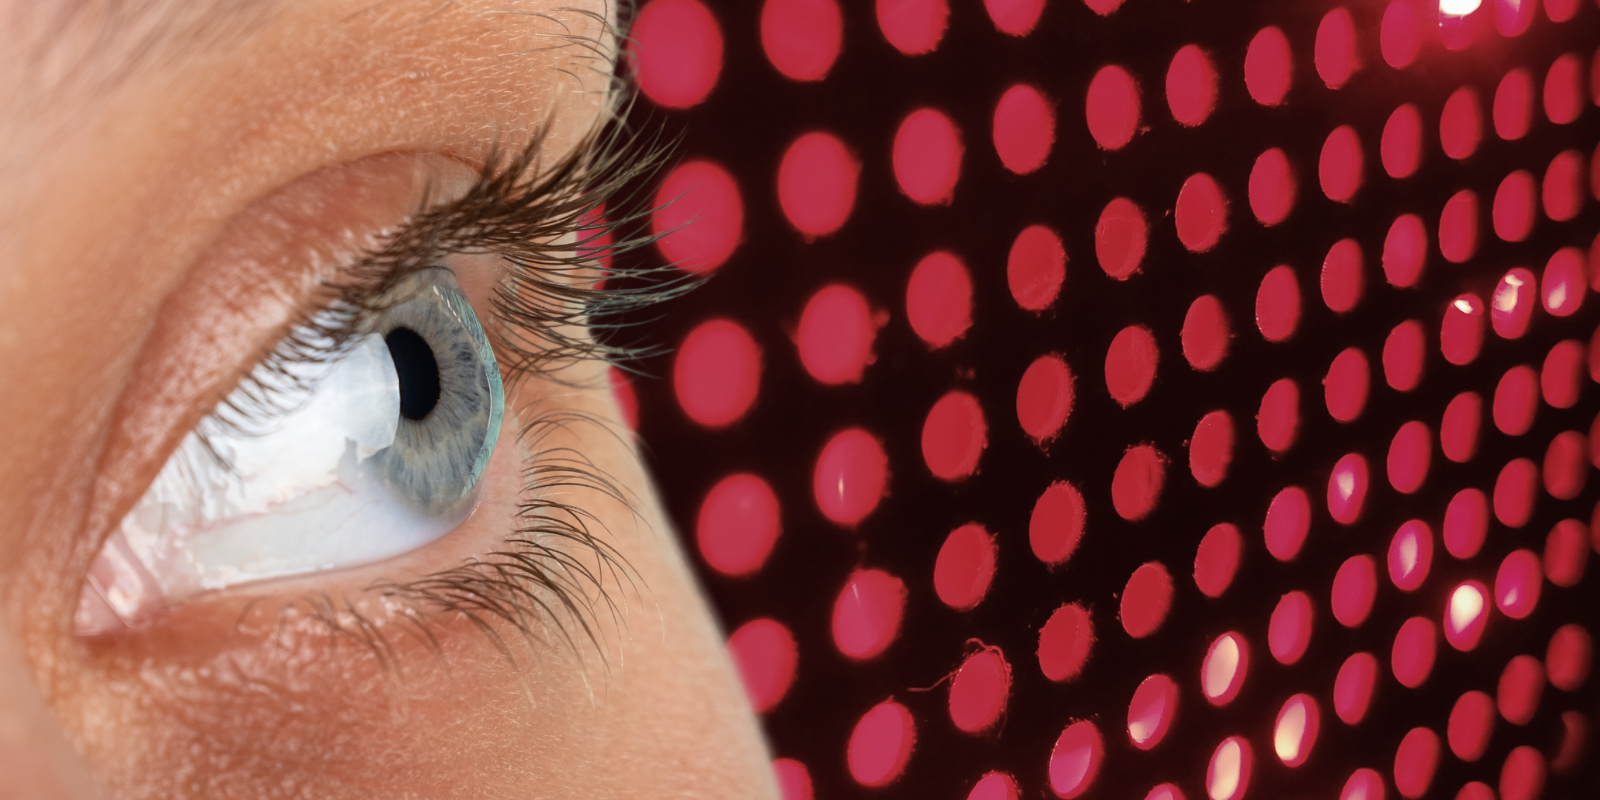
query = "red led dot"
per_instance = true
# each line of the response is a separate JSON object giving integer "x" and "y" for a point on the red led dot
{"x": 1342, "y": 278}
{"x": 1044, "y": 398}
{"x": 1223, "y": 671}
{"x": 1272, "y": 187}
{"x": 1036, "y": 267}
{"x": 1346, "y": 385}
{"x": 1458, "y": 431}
{"x": 1471, "y": 723}
{"x": 1415, "y": 647}
{"x": 794, "y": 780}
{"x": 801, "y": 37}
{"x": 927, "y": 156}
{"x": 954, "y": 435}
{"x": 1131, "y": 362}
{"x": 1347, "y": 488}
{"x": 1112, "y": 107}
{"x": 914, "y": 27}
{"x": 1512, "y": 17}
{"x": 1340, "y": 167}
{"x": 1415, "y": 762}
{"x": 979, "y": 691}
{"x": 1295, "y": 732}
{"x": 1287, "y": 524}
{"x": 1566, "y": 468}
{"x": 1458, "y": 30}
{"x": 1216, "y": 560}
{"x": 1364, "y": 784}
{"x": 1278, "y": 304}
{"x": 1024, "y": 129}
{"x": 1569, "y": 657}
{"x": 1120, "y": 238}
{"x": 1458, "y": 227}
{"x": 1518, "y": 584}
{"x": 1514, "y": 492}
{"x": 867, "y": 613}
{"x": 835, "y": 335}
{"x": 1511, "y": 308}
{"x": 1521, "y": 685}
{"x": 1461, "y": 332}
{"x": 1355, "y": 587}
{"x": 994, "y": 786}
{"x": 1465, "y": 616}
{"x": 1565, "y": 282}
{"x": 850, "y": 477}
{"x": 1289, "y": 632}
{"x": 1405, "y": 251}
{"x": 1514, "y": 210}
{"x": 765, "y": 653}
{"x": 1016, "y": 17}
{"x": 1075, "y": 760}
{"x": 738, "y": 524}
{"x": 1228, "y": 774}
{"x": 1146, "y": 600}
{"x": 1400, "y": 38}
{"x": 1352, "y": 687}
{"x": 1211, "y": 448}
{"x": 939, "y": 299}
{"x": 1522, "y": 776}
{"x": 1410, "y": 453}
{"x": 1056, "y": 526}
{"x": 1513, "y": 105}
{"x": 817, "y": 184}
{"x": 1466, "y": 523}
{"x": 717, "y": 373}
{"x": 1562, "y": 190}
{"x": 1563, "y": 89}
{"x": 677, "y": 52}
{"x": 701, "y": 219}
{"x": 1165, "y": 791}
{"x": 1268, "y": 66}
{"x": 1411, "y": 555}
{"x": 881, "y": 743}
{"x": 1278, "y": 420}
{"x": 1560, "y": 10}
{"x": 1401, "y": 146}
{"x": 1335, "y": 53}
{"x": 1461, "y": 124}
{"x": 1151, "y": 710}
{"x": 1103, "y": 7}
{"x": 964, "y": 568}
{"x": 1403, "y": 354}
{"x": 1566, "y": 553}
{"x": 1574, "y": 743}
{"x": 1191, "y": 86}
{"x": 1516, "y": 400}
{"x": 1065, "y": 643}
{"x": 1205, "y": 333}
{"x": 1201, "y": 215}
{"x": 1136, "y": 485}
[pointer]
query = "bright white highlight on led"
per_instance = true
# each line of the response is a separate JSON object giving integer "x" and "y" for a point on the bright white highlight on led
{"x": 1226, "y": 764}
{"x": 1466, "y": 603}
{"x": 1461, "y": 8}
{"x": 1221, "y": 667}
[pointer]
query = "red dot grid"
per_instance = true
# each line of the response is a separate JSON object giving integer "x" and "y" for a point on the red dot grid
{"x": 1501, "y": 498}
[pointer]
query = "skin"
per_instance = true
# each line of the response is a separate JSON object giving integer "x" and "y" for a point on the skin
{"x": 174, "y": 193}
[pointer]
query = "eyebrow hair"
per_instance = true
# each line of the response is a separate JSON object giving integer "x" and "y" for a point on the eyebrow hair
{"x": 94, "y": 46}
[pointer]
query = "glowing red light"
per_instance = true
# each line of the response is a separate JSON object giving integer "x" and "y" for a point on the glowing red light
{"x": 1352, "y": 687}
{"x": 1278, "y": 420}
{"x": 1565, "y": 465}
{"x": 1466, "y": 523}
{"x": 979, "y": 691}
{"x": 1514, "y": 492}
{"x": 954, "y": 436}
{"x": 1415, "y": 647}
{"x": 1458, "y": 227}
{"x": 1563, "y": 89}
{"x": 1112, "y": 107}
{"x": 1035, "y": 267}
{"x": 1461, "y": 124}
{"x": 1146, "y": 600}
{"x": 939, "y": 299}
{"x": 1151, "y": 710}
{"x": 817, "y": 184}
{"x": 801, "y": 37}
{"x": 1216, "y": 560}
{"x": 1287, "y": 524}
{"x": 1401, "y": 146}
{"x": 1522, "y": 776}
{"x": 1228, "y": 774}
{"x": 1223, "y": 671}
{"x": 850, "y": 477}
{"x": 1569, "y": 657}
{"x": 1514, "y": 206}
{"x": 1191, "y": 86}
{"x": 1518, "y": 584}
{"x": 881, "y": 744}
{"x": 1410, "y": 555}
{"x": 1340, "y": 167}
{"x": 1346, "y": 385}
{"x": 1044, "y": 398}
{"x": 1024, "y": 129}
{"x": 1120, "y": 238}
{"x": 1458, "y": 430}
{"x": 1415, "y": 762}
{"x": 717, "y": 373}
{"x": 1272, "y": 187}
{"x": 1137, "y": 483}
{"x": 1131, "y": 363}
{"x": 765, "y": 653}
{"x": 835, "y": 335}
{"x": 1065, "y": 643}
{"x": 1403, "y": 354}
{"x": 1342, "y": 279}
{"x": 1295, "y": 732}
{"x": 1465, "y": 615}
{"x": 738, "y": 524}
{"x": 1201, "y": 214}
{"x": 1335, "y": 53}
{"x": 1289, "y": 632}
{"x": 964, "y": 568}
{"x": 1056, "y": 526}
{"x": 1211, "y": 448}
{"x": 914, "y": 27}
{"x": 1268, "y": 66}
{"x": 1410, "y": 453}
{"x": 867, "y": 613}
{"x": 1355, "y": 587}
{"x": 1205, "y": 333}
{"x": 1565, "y": 282}
{"x": 927, "y": 156}
{"x": 1471, "y": 725}
{"x": 1075, "y": 760}
{"x": 1347, "y": 488}
{"x": 1562, "y": 190}
{"x": 1513, "y": 105}
{"x": 677, "y": 52}
{"x": 702, "y": 217}
{"x": 1405, "y": 251}
{"x": 1401, "y": 34}
{"x": 1521, "y": 685}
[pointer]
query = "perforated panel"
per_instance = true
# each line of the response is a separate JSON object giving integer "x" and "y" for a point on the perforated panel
{"x": 1162, "y": 399}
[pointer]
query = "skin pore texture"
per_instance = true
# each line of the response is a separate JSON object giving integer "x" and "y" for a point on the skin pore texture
{"x": 180, "y": 178}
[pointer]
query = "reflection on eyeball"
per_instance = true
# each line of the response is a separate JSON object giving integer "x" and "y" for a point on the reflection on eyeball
{"x": 366, "y": 455}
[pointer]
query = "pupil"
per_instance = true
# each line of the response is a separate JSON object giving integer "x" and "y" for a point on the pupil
{"x": 418, "y": 371}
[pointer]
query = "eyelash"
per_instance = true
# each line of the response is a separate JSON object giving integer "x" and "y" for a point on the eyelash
{"x": 549, "y": 231}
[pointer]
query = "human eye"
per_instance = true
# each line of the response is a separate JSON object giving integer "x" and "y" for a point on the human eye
{"x": 320, "y": 486}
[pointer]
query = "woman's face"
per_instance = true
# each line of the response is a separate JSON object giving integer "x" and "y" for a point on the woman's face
{"x": 183, "y": 181}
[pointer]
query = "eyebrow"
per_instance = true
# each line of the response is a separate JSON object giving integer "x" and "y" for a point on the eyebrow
{"x": 94, "y": 46}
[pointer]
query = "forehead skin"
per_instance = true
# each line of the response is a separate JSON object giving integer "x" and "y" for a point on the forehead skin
{"x": 131, "y": 133}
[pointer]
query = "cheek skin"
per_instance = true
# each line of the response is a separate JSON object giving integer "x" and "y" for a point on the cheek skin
{"x": 229, "y": 696}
